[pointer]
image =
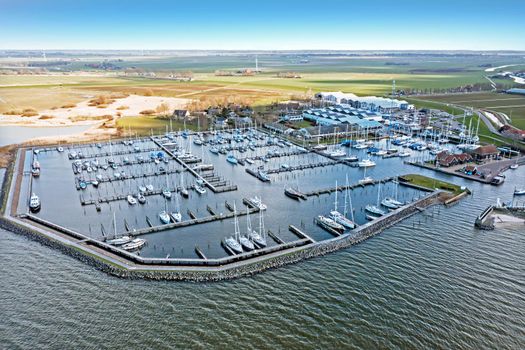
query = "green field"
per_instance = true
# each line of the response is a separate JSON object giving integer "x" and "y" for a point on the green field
{"x": 144, "y": 126}
{"x": 512, "y": 105}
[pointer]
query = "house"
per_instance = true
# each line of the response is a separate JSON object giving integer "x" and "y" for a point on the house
{"x": 447, "y": 159}
{"x": 485, "y": 152}
{"x": 181, "y": 113}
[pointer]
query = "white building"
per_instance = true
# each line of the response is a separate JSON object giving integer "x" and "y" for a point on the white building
{"x": 372, "y": 103}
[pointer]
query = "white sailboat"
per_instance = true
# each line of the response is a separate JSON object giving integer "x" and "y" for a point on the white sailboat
{"x": 374, "y": 209}
{"x": 177, "y": 216}
{"x": 259, "y": 237}
{"x": 337, "y": 216}
{"x": 120, "y": 240}
{"x": 366, "y": 163}
{"x": 233, "y": 241}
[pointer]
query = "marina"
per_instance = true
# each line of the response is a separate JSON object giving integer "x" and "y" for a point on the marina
{"x": 147, "y": 201}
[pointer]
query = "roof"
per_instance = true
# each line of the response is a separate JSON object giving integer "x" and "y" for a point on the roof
{"x": 488, "y": 149}
{"x": 382, "y": 102}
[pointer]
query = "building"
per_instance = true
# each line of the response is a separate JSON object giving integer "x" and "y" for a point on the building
{"x": 371, "y": 103}
{"x": 181, "y": 113}
{"x": 344, "y": 115}
{"x": 485, "y": 152}
{"x": 447, "y": 159}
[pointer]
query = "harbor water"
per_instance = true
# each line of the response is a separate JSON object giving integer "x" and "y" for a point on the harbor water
{"x": 431, "y": 281}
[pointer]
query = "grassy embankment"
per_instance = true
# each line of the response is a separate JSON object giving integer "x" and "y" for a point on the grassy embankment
{"x": 432, "y": 183}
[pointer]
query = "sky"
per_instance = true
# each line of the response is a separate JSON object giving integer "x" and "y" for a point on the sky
{"x": 263, "y": 25}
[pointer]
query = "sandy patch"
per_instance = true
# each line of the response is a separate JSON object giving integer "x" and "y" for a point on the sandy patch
{"x": 91, "y": 115}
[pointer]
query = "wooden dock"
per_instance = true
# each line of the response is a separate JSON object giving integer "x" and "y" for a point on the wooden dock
{"x": 329, "y": 190}
{"x": 300, "y": 233}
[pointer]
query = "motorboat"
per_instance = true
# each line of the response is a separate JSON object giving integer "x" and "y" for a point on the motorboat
{"x": 231, "y": 159}
{"x": 131, "y": 200}
{"x": 60, "y": 149}
{"x": 95, "y": 183}
{"x": 329, "y": 224}
{"x": 351, "y": 158}
{"x": 35, "y": 172}
{"x": 214, "y": 150}
{"x": 360, "y": 146}
{"x": 34, "y": 203}
{"x": 293, "y": 193}
{"x": 199, "y": 189}
{"x": 166, "y": 193}
{"x": 367, "y": 180}
{"x": 250, "y": 161}
{"x": 366, "y": 163}
{"x": 336, "y": 154}
{"x": 371, "y": 217}
{"x": 149, "y": 187}
{"x": 141, "y": 198}
{"x": 404, "y": 154}
{"x": 142, "y": 189}
{"x": 164, "y": 217}
{"x": 519, "y": 192}
{"x": 135, "y": 244}
{"x": 177, "y": 216}
{"x": 514, "y": 166}
{"x": 263, "y": 176}
{"x": 257, "y": 202}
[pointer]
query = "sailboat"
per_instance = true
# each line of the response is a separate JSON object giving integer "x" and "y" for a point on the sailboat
{"x": 259, "y": 237}
{"x": 120, "y": 240}
{"x": 366, "y": 180}
{"x": 246, "y": 241}
{"x": 135, "y": 244}
{"x": 231, "y": 159}
{"x": 337, "y": 216}
{"x": 177, "y": 216}
{"x": 166, "y": 192}
{"x": 163, "y": 215}
{"x": 374, "y": 209}
{"x": 233, "y": 241}
{"x": 329, "y": 224}
{"x": 392, "y": 202}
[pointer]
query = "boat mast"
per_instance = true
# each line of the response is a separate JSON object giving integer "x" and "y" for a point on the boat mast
{"x": 335, "y": 203}
{"x": 115, "y": 224}
{"x": 350, "y": 200}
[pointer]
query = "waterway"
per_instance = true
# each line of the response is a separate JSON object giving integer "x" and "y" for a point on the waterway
{"x": 432, "y": 281}
{"x": 17, "y": 134}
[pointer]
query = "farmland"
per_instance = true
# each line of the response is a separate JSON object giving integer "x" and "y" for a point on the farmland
{"x": 512, "y": 105}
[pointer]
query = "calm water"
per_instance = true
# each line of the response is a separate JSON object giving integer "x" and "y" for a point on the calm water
{"x": 432, "y": 281}
{"x": 18, "y": 134}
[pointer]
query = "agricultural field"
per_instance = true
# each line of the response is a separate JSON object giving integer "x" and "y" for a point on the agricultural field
{"x": 512, "y": 105}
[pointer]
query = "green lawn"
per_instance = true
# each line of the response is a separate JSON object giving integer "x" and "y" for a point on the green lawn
{"x": 431, "y": 183}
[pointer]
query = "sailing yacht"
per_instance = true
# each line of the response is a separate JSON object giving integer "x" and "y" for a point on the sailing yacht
{"x": 366, "y": 180}
{"x": 177, "y": 216}
{"x": 392, "y": 202}
{"x": 374, "y": 209}
{"x": 245, "y": 240}
{"x": 233, "y": 241}
{"x": 163, "y": 215}
{"x": 337, "y": 216}
{"x": 259, "y": 237}
{"x": 330, "y": 224}
{"x": 166, "y": 192}
{"x": 120, "y": 240}
{"x": 183, "y": 191}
